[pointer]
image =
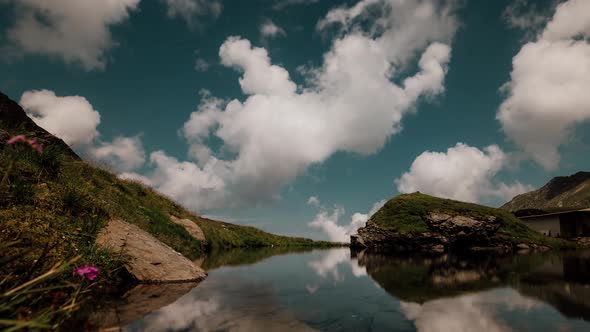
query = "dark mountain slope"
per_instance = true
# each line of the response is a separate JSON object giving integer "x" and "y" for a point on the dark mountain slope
{"x": 562, "y": 192}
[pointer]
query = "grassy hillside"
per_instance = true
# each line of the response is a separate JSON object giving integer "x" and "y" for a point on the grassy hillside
{"x": 406, "y": 213}
{"x": 52, "y": 206}
{"x": 562, "y": 192}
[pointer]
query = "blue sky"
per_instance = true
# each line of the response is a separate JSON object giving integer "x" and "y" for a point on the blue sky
{"x": 244, "y": 110}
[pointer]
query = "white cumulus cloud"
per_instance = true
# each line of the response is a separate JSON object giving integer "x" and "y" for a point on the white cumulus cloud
{"x": 351, "y": 104}
{"x": 194, "y": 187}
{"x": 132, "y": 176}
{"x": 123, "y": 153}
{"x": 77, "y": 31}
{"x": 190, "y": 9}
{"x": 463, "y": 173}
{"x": 524, "y": 14}
{"x": 328, "y": 221}
{"x": 71, "y": 118}
{"x": 547, "y": 95}
{"x": 281, "y": 4}
{"x": 201, "y": 65}
{"x": 271, "y": 30}
{"x": 74, "y": 119}
{"x": 313, "y": 201}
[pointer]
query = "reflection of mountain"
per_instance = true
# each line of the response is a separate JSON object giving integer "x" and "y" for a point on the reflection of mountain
{"x": 246, "y": 256}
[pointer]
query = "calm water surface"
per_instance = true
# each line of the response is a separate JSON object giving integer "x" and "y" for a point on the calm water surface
{"x": 329, "y": 290}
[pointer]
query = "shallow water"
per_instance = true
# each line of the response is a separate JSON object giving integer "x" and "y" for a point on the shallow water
{"x": 329, "y": 290}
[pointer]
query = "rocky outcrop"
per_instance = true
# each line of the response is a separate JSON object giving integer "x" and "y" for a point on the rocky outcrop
{"x": 146, "y": 258}
{"x": 432, "y": 225}
{"x": 445, "y": 233}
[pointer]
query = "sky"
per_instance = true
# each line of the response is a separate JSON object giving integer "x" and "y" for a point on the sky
{"x": 302, "y": 117}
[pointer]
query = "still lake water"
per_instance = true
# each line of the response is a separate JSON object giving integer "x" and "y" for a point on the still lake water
{"x": 328, "y": 290}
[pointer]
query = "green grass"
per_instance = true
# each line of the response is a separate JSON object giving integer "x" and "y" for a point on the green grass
{"x": 221, "y": 235}
{"x": 406, "y": 214}
{"x": 53, "y": 205}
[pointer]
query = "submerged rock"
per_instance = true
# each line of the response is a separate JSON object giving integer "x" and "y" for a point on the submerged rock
{"x": 146, "y": 258}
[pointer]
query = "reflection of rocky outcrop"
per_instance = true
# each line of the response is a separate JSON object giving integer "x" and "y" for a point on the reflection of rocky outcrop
{"x": 561, "y": 281}
{"x": 419, "y": 279}
{"x": 241, "y": 306}
{"x": 137, "y": 303}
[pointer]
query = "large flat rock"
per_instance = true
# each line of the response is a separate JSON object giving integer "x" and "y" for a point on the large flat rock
{"x": 148, "y": 259}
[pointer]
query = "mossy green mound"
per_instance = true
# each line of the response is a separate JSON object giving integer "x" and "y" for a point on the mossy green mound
{"x": 409, "y": 215}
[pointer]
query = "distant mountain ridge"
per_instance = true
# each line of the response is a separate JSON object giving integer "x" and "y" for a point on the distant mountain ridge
{"x": 560, "y": 193}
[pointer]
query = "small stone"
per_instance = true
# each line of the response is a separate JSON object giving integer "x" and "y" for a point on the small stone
{"x": 439, "y": 248}
{"x": 357, "y": 241}
{"x": 190, "y": 226}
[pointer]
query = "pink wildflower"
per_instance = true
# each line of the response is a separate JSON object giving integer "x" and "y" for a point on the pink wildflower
{"x": 23, "y": 139}
{"x": 90, "y": 272}
{"x": 36, "y": 145}
{"x": 17, "y": 139}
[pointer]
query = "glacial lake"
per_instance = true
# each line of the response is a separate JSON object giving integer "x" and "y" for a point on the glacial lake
{"x": 334, "y": 290}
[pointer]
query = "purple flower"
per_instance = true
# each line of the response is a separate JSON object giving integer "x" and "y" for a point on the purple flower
{"x": 23, "y": 139}
{"x": 90, "y": 272}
